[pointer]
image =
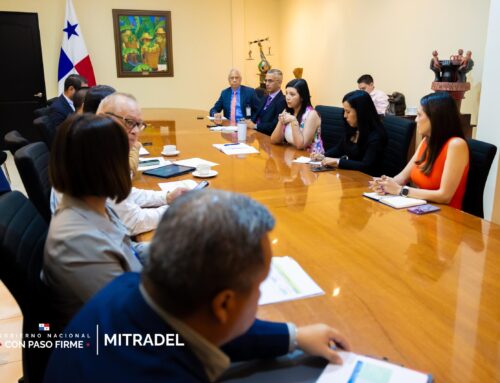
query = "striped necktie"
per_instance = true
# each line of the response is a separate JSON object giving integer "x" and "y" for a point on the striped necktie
{"x": 233, "y": 109}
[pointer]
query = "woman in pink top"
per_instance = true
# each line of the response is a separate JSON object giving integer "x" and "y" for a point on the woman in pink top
{"x": 299, "y": 124}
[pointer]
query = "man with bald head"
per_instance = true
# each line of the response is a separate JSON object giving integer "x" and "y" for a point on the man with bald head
{"x": 265, "y": 118}
{"x": 125, "y": 107}
{"x": 238, "y": 101}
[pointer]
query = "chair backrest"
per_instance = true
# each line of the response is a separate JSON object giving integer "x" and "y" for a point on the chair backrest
{"x": 32, "y": 163}
{"x": 332, "y": 124}
{"x": 22, "y": 238}
{"x": 43, "y": 124}
{"x": 44, "y": 111}
{"x": 481, "y": 155}
{"x": 400, "y": 132}
{"x": 14, "y": 141}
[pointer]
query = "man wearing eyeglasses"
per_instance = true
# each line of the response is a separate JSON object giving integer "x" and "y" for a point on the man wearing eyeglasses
{"x": 125, "y": 107}
{"x": 142, "y": 209}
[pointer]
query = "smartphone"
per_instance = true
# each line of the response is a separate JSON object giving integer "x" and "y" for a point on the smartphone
{"x": 321, "y": 168}
{"x": 201, "y": 185}
{"x": 423, "y": 209}
{"x": 149, "y": 162}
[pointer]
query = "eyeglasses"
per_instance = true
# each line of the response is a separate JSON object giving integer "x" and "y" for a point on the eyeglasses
{"x": 129, "y": 122}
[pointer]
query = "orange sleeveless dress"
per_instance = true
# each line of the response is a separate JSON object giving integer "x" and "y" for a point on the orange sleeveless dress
{"x": 433, "y": 180}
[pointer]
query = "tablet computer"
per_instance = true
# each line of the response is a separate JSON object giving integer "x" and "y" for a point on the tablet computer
{"x": 169, "y": 171}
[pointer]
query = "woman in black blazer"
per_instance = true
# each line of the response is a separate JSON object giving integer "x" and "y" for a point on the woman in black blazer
{"x": 365, "y": 138}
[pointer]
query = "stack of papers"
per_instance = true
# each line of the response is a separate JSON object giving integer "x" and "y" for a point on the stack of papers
{"x": 194, "y": 162}
{"x": 362, "y": 369}
{"x": 170, "y": 186}
{"x": 287, "y": 281}
{"x": 162, "y": 162}
{"x": 240, "y": 148}
{"x": 395, "y": 201}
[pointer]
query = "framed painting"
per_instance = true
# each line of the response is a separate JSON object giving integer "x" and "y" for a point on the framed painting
{"x": 143, "y": 43}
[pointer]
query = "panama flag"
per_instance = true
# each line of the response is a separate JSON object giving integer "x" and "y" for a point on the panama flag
{"x": 74, "y": 57}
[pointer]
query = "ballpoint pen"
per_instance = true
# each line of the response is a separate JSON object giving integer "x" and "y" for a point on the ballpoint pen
{"x": 231, "y": 144}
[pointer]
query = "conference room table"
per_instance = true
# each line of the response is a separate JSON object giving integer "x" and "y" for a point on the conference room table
{"x": 420, "y": 290}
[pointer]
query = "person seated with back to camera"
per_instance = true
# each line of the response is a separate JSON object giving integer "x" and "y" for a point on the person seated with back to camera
{"x": 438, "y": 170}
{"x": 142, "y": 209}
{"x": 305, "y": 134}
{"x": 87, "y": 244}
{"x": 362, "y": 146}
{"x": 201, "y": 284}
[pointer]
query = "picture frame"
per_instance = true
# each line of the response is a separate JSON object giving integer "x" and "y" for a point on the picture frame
{"x": 143, "y": 43}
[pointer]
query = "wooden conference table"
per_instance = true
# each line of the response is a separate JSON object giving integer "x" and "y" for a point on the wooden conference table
{"x": 423, "y": 291}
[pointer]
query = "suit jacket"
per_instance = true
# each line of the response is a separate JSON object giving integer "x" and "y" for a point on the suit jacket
{"x": 367, "y": 159}
{"x": 83, "y": 252}
{"x": 58, "y": 111}
{"x": 268, "y": 119}
{"x": 247, "y": 97}
{"x": 121, "y": 308}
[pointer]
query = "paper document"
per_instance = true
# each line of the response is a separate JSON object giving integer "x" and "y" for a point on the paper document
{"x": 213, "y": 118}
{"x": 362, "y": 369}
{"x": 240, "y": 148}
{"x": 395, "y": 201}
{"x": 163, "y": 162}
{"x": 287, "y": 281}
{"x": 170, "y": 186}
{"x": 143, "y": 151}
{"x": 306, "y": 160}
{"x": 194, "y": 162}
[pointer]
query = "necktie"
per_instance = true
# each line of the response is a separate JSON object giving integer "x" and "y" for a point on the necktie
{"x": 233, "y": 109}
{"x": 268, "y": 102}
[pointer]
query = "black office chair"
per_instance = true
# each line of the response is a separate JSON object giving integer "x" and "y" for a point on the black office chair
{"x": 400, "y": 132}
{"x": 4, "y": 182}
{"x": 51, "y": 100}
{"x": 14, "y": 141}
{"x": 44, "y": 126}
{"x": 480, "y": 160}
{"x": 44, "y": 111}
{"x": 22, "y": 237}
{"x": 32, "y": 162}
{"x": 332, "y": 125}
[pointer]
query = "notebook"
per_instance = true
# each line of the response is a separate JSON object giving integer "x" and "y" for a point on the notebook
{"x": 362, "y": 369}
{"x": 395, "y": 201}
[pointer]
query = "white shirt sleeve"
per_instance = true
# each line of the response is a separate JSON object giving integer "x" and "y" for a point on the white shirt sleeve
{"x": 381, "y": 101}
{"x": 142, "y": 210}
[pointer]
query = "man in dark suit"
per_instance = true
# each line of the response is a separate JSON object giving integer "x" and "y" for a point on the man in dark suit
{"x": 198, "y": 292}
{"x": 62, "y": 107}
{"x": 238, "y": 101}
{"x": 265, "y": 118}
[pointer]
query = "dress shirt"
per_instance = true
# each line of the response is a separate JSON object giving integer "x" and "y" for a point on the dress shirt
{"x": 239, "y": 108}
{"x": 380, "y": 99}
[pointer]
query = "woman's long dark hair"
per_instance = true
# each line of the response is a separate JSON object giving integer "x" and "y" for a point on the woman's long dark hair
{"x": 303, "y": 90}
{"x": 368, "y": 119}
{"x": 445, "y": 123}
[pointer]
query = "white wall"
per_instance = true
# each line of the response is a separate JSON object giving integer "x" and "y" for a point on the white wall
{"x": 489, "y": 117}
{"x": 336, "y": 41}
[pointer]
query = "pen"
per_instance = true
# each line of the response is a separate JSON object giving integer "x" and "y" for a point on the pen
{"x": 230, "y": 144}
{"x": 355, "y": 372}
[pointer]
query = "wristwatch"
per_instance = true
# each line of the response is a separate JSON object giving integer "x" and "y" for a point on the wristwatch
{"x": 404, "y": 191}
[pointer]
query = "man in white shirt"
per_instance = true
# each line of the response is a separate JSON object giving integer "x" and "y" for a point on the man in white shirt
{"x": 142, "y": 209}
{"x": 380, "y": 99}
